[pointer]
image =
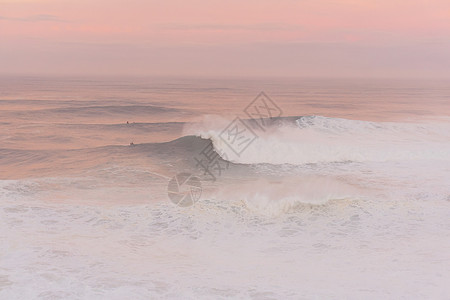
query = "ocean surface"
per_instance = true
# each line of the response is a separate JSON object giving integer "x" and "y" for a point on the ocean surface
{"x": 142, "y": 188}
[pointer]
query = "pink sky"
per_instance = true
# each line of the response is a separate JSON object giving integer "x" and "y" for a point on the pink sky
{"x": 394, "y": 38}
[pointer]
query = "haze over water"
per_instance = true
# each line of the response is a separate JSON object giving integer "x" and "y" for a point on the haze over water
{"x": 345, "y": 196}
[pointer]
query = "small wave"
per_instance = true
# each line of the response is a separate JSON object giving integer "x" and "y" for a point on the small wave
{"x": 114, "y": 109}
{"x": 275, "y": 197}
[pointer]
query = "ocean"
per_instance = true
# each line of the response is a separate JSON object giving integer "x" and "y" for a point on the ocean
{"x": 196, "y": 188}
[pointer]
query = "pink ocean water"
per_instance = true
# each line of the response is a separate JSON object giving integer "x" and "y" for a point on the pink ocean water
{"x": 346, "y": 195}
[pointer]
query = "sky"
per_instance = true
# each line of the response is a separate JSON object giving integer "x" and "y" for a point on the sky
{"x": 264, "y": 38}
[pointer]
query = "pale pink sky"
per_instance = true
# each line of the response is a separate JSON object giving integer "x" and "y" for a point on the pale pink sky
{"x": 384, "y": 38}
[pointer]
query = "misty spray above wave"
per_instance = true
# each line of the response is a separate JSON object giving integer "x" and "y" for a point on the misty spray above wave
{"x": 317, "y": 139}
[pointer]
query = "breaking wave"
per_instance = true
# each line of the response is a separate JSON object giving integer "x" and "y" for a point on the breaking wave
{"x": 317, "y": 139}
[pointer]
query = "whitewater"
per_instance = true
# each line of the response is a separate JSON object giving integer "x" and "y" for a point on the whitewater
{"x": 347, "y": 195}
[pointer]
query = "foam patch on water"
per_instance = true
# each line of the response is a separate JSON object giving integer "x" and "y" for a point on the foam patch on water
{"x": 222, "y": 249}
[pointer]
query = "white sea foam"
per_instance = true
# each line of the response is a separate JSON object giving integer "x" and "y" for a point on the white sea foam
{"x": 231, "y": 246}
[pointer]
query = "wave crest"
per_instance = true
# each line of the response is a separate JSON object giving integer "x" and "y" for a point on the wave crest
{"x": 317, "y": 139}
